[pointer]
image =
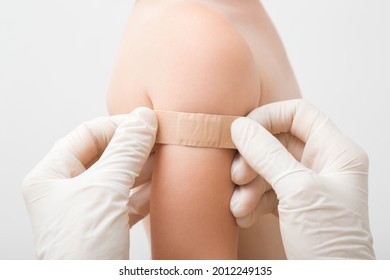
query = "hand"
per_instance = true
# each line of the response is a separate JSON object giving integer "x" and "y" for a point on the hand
{"x": 321, "y": 191}
{"x": 77, "y": 196}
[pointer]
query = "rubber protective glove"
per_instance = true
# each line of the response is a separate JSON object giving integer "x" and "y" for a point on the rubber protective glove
{"x": 322, "y": 189}
{"x": 79, "y": 213}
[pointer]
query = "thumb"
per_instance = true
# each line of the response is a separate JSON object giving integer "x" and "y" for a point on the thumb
{"x": 139, "y": 203}
{"x": 128, "y": 150}
{"x": 263, "y": 152}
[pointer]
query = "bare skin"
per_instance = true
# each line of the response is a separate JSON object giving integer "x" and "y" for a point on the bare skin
{"x": 219, "y": 57}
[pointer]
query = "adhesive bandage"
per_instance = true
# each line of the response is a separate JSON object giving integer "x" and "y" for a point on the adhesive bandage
{"x": 194, "y": 129}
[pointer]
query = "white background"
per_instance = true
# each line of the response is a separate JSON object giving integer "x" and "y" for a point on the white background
{"x": 56, "y": 58}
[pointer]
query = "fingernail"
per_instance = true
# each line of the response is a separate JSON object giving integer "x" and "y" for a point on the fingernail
{"x": 247, "y": 221}
{"x": 235, "y": 169}
{"x": 236, "y": 129}
{"x": 235, "y": 205}
{"x": 147, "y": 114}
{"x": 234, "y": 172}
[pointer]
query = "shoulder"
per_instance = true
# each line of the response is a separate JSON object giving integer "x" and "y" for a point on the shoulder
{"x": 197, "y": 29}
{"x": 200, "y": 19}
{"x": 197, "y": 56}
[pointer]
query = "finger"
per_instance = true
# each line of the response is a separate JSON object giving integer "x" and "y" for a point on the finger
{"x": 147, "y": 171}
{"x": 139, "y": 204}
{"x": 267, "y": 204}
{"x": 296, "y": 116}
{"x": 124, "y": 157}
{"x": 262, "y": 151}
{"x": 241, "y": 172}
{"x": 88, "y": 141}
{"x": 246, "y": 197}
{"x": 292, "y": 144}
{"x": 324, "y": 143}
{"x": 72, "y": 154}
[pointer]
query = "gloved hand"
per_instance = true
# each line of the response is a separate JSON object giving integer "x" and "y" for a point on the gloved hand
{"x": 78, "y": 202}
{"x": 322, "y": 190}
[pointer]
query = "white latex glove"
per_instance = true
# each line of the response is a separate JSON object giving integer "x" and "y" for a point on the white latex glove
{"x": 79, "y": 213}
{"x": 323, "y": 207}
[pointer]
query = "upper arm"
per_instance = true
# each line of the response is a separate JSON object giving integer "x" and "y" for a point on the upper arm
{"x": 198, "y": 63}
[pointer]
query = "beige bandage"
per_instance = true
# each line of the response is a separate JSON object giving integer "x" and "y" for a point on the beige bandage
{"x": 194, "y": 129}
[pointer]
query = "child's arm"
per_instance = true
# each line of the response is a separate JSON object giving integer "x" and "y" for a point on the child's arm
{"x": 198, "y": 63}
